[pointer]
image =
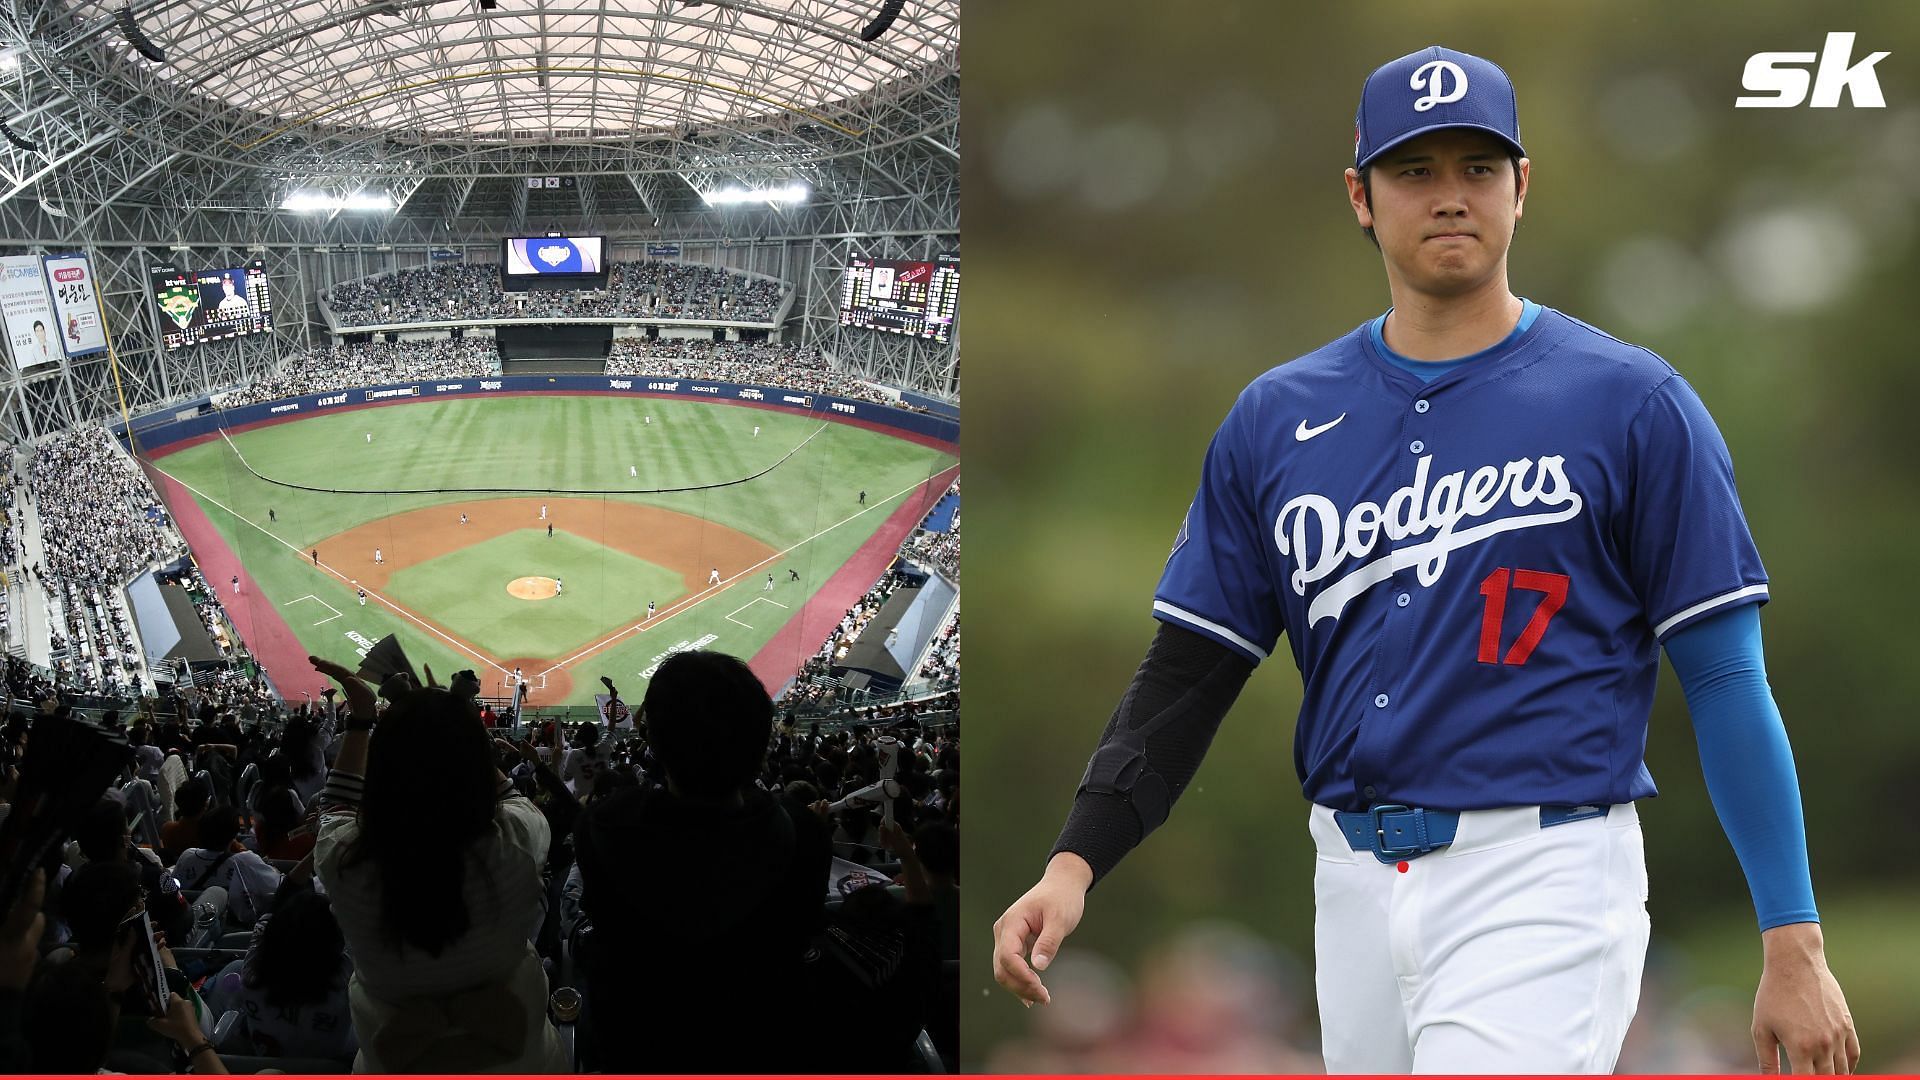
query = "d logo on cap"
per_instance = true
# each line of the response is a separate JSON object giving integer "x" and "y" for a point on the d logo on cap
{"x": 1430, "y": 77}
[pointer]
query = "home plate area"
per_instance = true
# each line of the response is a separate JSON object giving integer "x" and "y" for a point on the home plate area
{"x": 748, "y": 604}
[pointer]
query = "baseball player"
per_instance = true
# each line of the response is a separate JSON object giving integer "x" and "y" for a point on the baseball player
{"x": 463, "y": 518}
{"x": 236, "y": 584}
{"x": 316, "y": 556}
{"x": 633, "y": 470}
{"x": 769, "y": 585}
{"x": 543, "y": 512}
{"x": 756, "y": 431}
{"x": 369, "y": 438}
{"x": 559, "y": 586}
{"x": 649, "y": 609}
{"x": 376, "y": 556}
{"x": 362, "y": 593}
{"x": 271, "y": 516}
{"x": 1478, "y": 522}
{"x": 713, "y": 576}
{"x": 863, "y": 498}
{"x": 549, "y": 530}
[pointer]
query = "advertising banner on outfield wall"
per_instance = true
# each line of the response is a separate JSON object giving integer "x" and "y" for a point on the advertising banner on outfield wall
{"x": 27, "y": 311}
{"x": 70, "y": 280}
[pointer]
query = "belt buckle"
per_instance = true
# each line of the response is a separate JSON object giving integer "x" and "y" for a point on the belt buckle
{"x": 1380, "y": 849}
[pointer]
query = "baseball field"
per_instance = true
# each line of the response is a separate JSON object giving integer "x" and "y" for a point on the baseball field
{"x": 551, "y": 571}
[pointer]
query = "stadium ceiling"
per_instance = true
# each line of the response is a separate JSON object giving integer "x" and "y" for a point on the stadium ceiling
{"x": 639, "y": 107}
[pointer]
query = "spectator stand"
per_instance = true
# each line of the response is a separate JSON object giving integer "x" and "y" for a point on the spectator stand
{"x": 637, "y": 293}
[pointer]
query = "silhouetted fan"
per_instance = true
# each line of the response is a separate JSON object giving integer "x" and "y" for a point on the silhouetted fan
{"x": 68, "y": 764}
{"x": 385, "y": 660}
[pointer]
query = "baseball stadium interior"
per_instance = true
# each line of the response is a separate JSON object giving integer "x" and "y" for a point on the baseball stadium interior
{"x": 481, "y": 536}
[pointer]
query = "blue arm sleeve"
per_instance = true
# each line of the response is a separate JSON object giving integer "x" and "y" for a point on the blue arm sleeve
{"x": 1747, "y": 760}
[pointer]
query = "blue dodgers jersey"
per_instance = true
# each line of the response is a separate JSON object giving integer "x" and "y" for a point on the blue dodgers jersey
{"x": 1474, "y": 573}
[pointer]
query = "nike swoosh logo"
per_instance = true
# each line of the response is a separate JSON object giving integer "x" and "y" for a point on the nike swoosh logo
{"x": 1303, "y": 432}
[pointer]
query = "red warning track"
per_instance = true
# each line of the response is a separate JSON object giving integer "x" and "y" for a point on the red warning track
{"x": 802, "y": 636}
{"x": 266, "y": 634}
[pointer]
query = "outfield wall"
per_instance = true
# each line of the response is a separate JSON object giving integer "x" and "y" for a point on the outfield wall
{"x": 173, "y": 427}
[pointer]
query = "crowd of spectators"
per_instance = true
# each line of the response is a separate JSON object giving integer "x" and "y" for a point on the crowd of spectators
{"x": 635, "y": 290}
{"x": 342, "y": 367}
{"x": 100, "y": 519}
{"x": 942, "y": 665}
{"x": 570, "y": 900}
{"x": 101, "y": 523}
{"x": 939, "y": 550}
{"x": 794, "y": 367}
{"x": 817, "y": 685}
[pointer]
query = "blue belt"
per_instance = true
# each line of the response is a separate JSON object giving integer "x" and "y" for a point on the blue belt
{"x": 1397, "y": 833}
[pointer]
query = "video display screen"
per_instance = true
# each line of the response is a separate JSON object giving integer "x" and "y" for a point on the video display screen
{"x": 542, "y": 256}
{"x": 213, "y": 304}
{"x": 902, "y": 297}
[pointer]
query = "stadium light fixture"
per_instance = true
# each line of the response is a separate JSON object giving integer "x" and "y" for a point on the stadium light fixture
{"x": 312, "y": 201}
{"x": 792, "y": 193}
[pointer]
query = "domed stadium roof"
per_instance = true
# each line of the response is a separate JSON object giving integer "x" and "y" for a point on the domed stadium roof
{"x": 545, "y": 71}
{"x": 448, "y": 107}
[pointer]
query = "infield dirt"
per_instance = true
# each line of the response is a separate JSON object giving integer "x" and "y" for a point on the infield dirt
{"x": 688, "y": 546}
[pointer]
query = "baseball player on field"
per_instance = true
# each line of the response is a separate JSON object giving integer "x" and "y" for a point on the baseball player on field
{"x": 1477, "y": 521}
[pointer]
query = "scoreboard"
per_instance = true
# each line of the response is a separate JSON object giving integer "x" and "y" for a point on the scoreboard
{"x": 212, "y": 304}
{"x": 914, "y": 298}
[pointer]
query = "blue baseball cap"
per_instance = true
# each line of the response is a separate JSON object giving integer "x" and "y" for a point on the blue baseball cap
{"x": 1431, "y": 90}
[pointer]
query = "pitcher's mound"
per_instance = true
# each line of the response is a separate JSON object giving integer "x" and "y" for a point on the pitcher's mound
{"x": 532, "y": 588}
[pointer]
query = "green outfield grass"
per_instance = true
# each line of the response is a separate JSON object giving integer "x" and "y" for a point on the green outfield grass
{"x": 605, "y": 591}
{"x": 807, "y": 509}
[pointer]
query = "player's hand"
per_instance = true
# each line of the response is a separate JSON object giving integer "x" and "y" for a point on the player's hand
{"x": 1040, "y": 921}
{"x": 1799, "y": 1007}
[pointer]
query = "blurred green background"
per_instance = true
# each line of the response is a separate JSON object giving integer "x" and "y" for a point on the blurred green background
{"x": 1155, "y": 215}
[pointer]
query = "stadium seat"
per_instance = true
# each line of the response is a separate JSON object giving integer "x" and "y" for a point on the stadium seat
{"x": 243, "y": 789}
{"x": 209, "y": 919}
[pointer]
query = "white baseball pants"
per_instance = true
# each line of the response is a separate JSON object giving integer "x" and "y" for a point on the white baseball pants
{"x": 1515, "y": 949}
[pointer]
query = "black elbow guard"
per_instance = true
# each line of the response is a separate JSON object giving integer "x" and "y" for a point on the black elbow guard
{"x": 1120, "y": 768}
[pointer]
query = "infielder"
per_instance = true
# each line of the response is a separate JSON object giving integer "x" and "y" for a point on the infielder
{"x": 713, "y": 576}
{"x": 649, "y": 609}
{"x": 376, "y": 556}
{"x": 1477, "y": 521}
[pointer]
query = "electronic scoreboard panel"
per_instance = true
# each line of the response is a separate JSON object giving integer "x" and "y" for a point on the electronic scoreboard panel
{"x": 914, "y": 298}
{"x": 212, "y": 304}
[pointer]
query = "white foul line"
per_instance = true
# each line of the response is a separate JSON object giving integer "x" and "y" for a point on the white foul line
{"x": 396, "y": 607}
{"x": 708, "y": 593}
{"x": 336, "y": 611}
{"x": 748, "y": 604}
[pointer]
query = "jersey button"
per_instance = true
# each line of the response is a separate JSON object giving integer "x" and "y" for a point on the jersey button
{"x": 1421, "y": 405}
{"x": 1418, "y": 447}
{"x": 1380, "y": 701}
{"x": 1403, "y": 600}
{"x": 1370, "y": 793}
